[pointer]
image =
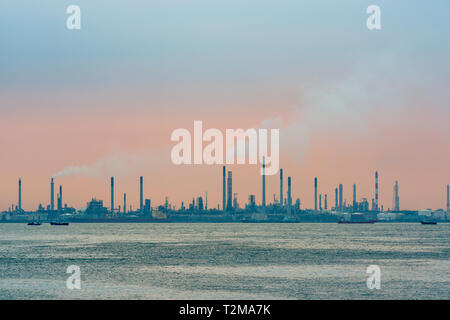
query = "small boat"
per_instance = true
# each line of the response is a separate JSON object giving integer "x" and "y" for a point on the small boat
{"x": 34, "y": 223}
{"x": 59, "y": 223}
{"x": 428, "y": 222}
{"x": 357, "y": 222}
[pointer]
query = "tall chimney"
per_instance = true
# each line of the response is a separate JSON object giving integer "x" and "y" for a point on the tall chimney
{"x": 326, "y": 203}
{"x": 230, "y": 191}
{"x": 376, "y": 190}
{"x": 289, "y": 199}
{"x": 281, "y": 187}
{"x": 340, "y": 197}
{"x": 112, "y": 194}
{"x": 224, "y": 189}
{"x": 52, "y": 195}
{"x": 354, "y": 197}
{"x": 141, "y": 194}
{"x": 448, "y": 198}
{"x": 396, "y": 198}
{"x": 315, "y": 194}
{"x": 124, "y": 203}
{"x": 336, "y": 206}
{"x": 264, "y": 183}
{"x": 60, "y": 201}
{"x": 320, "y": 202}
{"x": 20, "y": 195}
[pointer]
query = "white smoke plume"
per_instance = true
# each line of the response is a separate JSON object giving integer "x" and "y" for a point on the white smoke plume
{"x": 115, "y": 165}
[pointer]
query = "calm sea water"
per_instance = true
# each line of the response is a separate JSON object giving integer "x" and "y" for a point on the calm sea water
{"x": 225, "y": 261}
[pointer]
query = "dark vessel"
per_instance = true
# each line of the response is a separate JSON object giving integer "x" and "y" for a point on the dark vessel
{"x": 428, "y": 222}
{"x": 34, "y": 223}
{"x": 59, "y": 223}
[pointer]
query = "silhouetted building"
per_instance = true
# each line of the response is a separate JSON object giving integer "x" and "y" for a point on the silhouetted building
{"x": 147, "y": 206}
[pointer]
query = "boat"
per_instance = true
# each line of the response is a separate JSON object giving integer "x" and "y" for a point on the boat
{"x": 59, "y": 223}
{"x": 34, "y": 223}
{"x": 357, "y": 222}
{"x": 428, "y": 222}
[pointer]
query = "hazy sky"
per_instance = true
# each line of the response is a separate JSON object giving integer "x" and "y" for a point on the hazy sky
{"x": 105, "y": 99}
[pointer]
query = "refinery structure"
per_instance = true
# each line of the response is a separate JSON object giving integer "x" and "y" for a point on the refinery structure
{"x": 280, "y": 209}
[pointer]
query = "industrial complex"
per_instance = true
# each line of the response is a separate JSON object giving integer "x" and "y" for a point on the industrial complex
{"x": 283, "y": 209}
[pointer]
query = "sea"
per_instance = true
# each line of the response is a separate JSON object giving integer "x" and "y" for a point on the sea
{"x": 225, "y": 261}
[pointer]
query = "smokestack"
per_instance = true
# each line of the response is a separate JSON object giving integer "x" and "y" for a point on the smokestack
{"x": 354, "y": 197}
{"x": 320, "y": 202}
{"x": 315, "y": 194}
{"x": 336, "y": 199}
{"x": 281, "y": 187}
{"x": 224, "y": 189}
{"x": 264, "y": 183}
{"x": 230, "y": 191}
{"x": 112, "y": 194}
{"x": 60, "y": 201}
{"x": 52, "y": 195}
{"x": 376, "y": 190}
{"x": 340, "y": 196}
{"x": 20, "y": 195}
{"x": 289, "y": 199}
{"x": 396, "y": 198}
{"x": 124, "y": 203}
{"x": 448, "y": 198}
{"x": 141, "y": 194}
{"x": 326, "y": 202}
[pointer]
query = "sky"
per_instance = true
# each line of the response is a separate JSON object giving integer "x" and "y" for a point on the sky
{"x": 103, "y": 100}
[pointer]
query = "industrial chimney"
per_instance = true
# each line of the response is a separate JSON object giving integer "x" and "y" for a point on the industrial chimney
{"x": 141, "y": 194}
{"x": 448, "y": 198}
{"x": 224, "y": 191}
{"x": 230, "y": 191}
{"x": 20, "y": 195}
{"x": 315, "y": 194}
{"x": 336, "y": 206}
{"x": 52, "y": 195}
{"x": 264, "y": 183}
{"x": 376, "y": 190}
{"x": 112, "y": 194}
{"x": 281, "y": 187}
{"x": 289, "y": 195}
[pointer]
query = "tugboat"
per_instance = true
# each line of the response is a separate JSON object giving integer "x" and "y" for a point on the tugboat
{"x": 428, "y": 222}
{"x": 53, "y": 223}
